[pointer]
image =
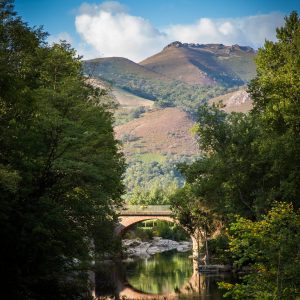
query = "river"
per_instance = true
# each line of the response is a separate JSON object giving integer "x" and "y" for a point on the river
{"x": 165, "y": 275}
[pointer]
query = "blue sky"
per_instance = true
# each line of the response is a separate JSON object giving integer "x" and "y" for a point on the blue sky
{"x": 138, "y": 28}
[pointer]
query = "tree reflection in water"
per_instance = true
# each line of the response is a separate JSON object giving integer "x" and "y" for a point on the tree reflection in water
{"x": 164, "y": 275}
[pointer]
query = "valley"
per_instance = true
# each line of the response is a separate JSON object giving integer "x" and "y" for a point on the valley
{"x": 157, "y": 101}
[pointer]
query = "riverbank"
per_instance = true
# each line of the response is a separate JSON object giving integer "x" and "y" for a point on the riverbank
{"x": 136, "y": 248}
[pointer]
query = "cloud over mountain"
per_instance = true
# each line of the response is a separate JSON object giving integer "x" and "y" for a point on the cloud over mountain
{"x": 114, "y": 32}
{"x": 111, "y": 30}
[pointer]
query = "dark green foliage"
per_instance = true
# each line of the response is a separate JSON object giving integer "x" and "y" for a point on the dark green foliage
{"x": 218, "y": 248}
{"x": 271, "y": 247}
{"x": 276, "y": 95}
{"x": 170, "y": 231}
{"x": 196, "y": 219}
{"x": 60, "y": 170}
{"x": 227, "y": 176}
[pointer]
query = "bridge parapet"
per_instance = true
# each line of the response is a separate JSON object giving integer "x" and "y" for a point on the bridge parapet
{"x": 146, "y": 210}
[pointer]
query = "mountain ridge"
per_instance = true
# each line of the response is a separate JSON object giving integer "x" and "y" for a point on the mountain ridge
{"x": 218, "y": 46}
{"x": 181, "y": 75}
{"x": 189, "y": 63}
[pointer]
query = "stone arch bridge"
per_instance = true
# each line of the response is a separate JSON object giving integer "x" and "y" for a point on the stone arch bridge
{"x": 133, "y": 214}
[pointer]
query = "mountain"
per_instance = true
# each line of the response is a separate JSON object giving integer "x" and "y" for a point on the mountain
{"x": 204, "y": 64}
{"x": 237, "y": 101}
{"x": 193, "y": 64}
{"x": 129, "y": 101}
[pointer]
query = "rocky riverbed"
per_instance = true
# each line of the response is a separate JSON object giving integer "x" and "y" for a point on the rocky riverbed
{"x": 136, "y": 248}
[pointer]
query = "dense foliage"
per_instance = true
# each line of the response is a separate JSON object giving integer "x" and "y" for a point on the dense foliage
{"x": 249, "y": 162}
{"x": 60, "y": 170}
{"x": 271, "y": 248}
{"x": 152, "y": 182}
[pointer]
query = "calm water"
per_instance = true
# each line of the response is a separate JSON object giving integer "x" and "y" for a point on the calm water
{"x": 164, "y": 275}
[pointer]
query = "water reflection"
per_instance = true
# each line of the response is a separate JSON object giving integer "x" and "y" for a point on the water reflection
{"x": 165, "y": 275}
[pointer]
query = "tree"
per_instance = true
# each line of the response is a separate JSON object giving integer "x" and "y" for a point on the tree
{"x": 272, "y": 248}
{"x": 60, "y": 168}
{"x": 195, "y": 218}
{"x": 227, "y": 175}
{"x": 276, "y": 95}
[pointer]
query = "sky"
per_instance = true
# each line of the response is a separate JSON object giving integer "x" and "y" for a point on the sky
{"x": 137, "y": 29}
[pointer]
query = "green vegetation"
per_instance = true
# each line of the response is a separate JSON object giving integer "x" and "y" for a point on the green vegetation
{"x": 153, "y": 179}
{"x": 151, "y": 157}
{"x": 60, "y": 169}
{"x": 251, "y": 161}
{"x": 165, "y": 93}
{"x": 125, "y": 115}
{"x": 164, "y": 273}
{"x": 271, "y": 247}
{"x": 243, "y": 66}
{"x": 196, "y": 219}
{"x": 154, "y": 228}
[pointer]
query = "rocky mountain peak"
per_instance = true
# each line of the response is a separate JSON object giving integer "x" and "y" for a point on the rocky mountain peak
{"x": 211, "y": 47}
{"x": 175, "y": 44}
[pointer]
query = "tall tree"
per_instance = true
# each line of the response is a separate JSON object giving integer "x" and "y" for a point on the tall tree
{"x": 276, "y": 95}
{"x": 60, "y": 168}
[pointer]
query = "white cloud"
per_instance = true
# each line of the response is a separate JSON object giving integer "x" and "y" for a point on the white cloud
{"x": 110, "y": 30}
{"x": 113, "y": 32}
{"x": 247, "y": 31}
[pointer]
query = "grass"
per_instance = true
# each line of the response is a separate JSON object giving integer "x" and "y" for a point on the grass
{"x": 149, "y": 157}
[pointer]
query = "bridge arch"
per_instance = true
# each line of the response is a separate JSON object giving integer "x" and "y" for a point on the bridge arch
{"x": 128, "y": 221}
{"x": 134, "y": 214}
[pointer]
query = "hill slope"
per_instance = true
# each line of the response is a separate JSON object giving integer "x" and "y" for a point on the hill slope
{"x": 238, "y": 101}
{"x": 112, "y": 66}
{"x": 128, "y": 100}
{"x": 161, "y": 132}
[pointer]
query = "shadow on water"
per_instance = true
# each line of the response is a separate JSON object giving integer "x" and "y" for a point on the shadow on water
{"x": 165, "y": 275}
